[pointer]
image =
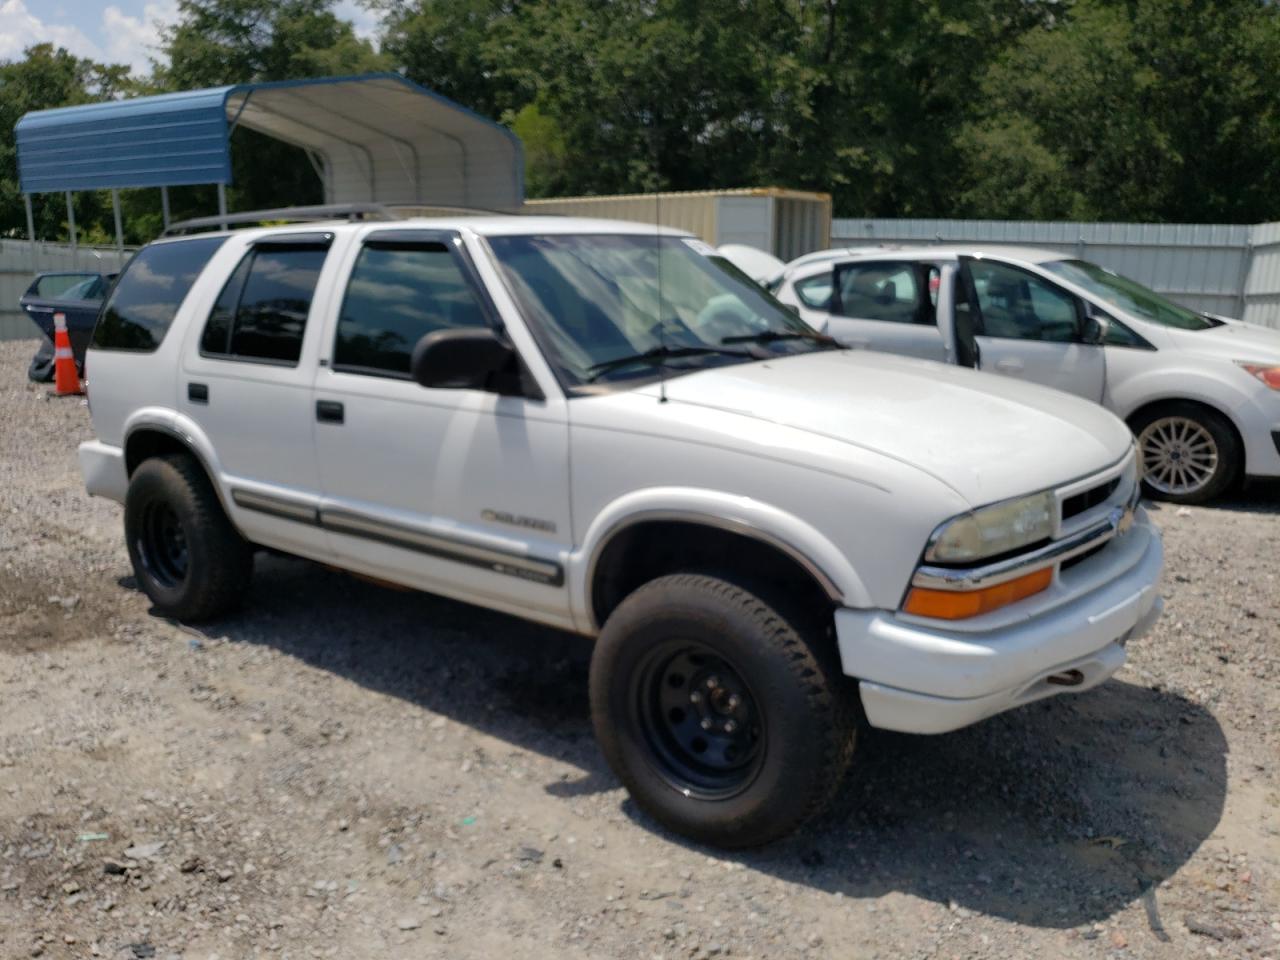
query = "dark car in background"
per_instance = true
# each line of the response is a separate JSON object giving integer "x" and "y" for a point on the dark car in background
{"x": 78, "y": 295}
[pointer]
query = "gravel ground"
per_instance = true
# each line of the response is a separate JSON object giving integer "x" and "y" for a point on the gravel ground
{"x": 348, "y": 771}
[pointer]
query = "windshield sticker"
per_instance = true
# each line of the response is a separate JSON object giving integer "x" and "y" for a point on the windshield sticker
{"x": 698, "y": 246}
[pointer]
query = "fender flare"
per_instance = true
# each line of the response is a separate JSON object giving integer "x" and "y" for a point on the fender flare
{"x": 187, "y": 432}
{"x": 783, "y": 531}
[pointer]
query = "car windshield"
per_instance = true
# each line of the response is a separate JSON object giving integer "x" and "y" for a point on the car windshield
{"x": 616, "y": 308}
{"x": 1128, "y": 295}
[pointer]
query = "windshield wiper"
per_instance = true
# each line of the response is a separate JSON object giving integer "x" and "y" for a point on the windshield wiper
{"x": 655, "y": 355}
{"x": 773, "y": 336}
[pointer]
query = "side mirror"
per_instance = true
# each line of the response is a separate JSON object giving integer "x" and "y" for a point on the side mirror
{"x": 1094, "y": 329}
{"x": 472, "y": 358}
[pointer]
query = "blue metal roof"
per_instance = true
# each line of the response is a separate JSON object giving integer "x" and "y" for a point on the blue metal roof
{"x": 168, "y": 140}
{"x": 376, "y": 137}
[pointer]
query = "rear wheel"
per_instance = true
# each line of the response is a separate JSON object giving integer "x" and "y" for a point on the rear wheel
{"x": 187, "y": 556}
{"x": 1190, "y": 453}
{"x": 727, "y": 721}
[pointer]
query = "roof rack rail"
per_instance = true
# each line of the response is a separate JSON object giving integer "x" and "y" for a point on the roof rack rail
{"x": 341, "y": 211}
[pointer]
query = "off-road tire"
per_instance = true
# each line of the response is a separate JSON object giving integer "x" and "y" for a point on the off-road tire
{"x": 806, "y": 707}
{"x": 1230, "y": 458}
{"x": 218, "y": 561}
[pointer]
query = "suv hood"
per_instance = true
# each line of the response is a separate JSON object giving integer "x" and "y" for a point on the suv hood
{"x": 985, "y": 436}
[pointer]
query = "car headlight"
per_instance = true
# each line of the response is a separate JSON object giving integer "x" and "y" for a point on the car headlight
{"x": 991, "y": 531}
{"x": 1268, "y": 373}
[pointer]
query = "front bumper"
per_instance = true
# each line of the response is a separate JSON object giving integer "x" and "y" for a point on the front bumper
{"x": 919, "y": 676}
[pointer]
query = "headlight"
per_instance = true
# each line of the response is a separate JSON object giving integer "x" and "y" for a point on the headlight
{"x": 999, "y": 528}
{"x": 1268, "y": 373}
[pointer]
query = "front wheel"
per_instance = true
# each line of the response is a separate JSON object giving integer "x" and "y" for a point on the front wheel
{"x": 727, "y": 721}
{"x": 1190, "y": 454}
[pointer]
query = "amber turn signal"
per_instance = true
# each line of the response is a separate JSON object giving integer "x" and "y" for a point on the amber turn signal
{"x": 959, "y": 604}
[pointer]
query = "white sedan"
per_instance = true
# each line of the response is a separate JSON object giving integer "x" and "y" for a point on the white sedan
{"x": 1201, "y": 393}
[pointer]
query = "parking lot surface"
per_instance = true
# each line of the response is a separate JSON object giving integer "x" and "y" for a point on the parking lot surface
{"x": 351, "y": 771}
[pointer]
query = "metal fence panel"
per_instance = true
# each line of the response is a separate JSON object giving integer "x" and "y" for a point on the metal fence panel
{"x": 1262, "y": 290}
{"x": 16, "y": 275}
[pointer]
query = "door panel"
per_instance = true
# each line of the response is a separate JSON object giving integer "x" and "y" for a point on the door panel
{"x": 457, "y": 489}
{"x": 888, "y": 306}
{"x": 460, "y": 491}
{"x": 1028, "y": 328}
{"x": 247, "y": 381}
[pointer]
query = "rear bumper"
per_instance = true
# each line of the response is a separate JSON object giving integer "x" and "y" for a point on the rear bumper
{"x": 102, "y": 467}
{"x": 917, "y": 677}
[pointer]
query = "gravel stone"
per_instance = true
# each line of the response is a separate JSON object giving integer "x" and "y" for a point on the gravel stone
{"x": 326, "y": 724}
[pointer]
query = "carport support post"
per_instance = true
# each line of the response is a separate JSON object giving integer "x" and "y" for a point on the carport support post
{"x": 222, "y": 203}
{"x": 31, "y": 230}
{"x": 164, "y": 206}
{"x": 115, "y": 209}
{"x": 71, "y": 226}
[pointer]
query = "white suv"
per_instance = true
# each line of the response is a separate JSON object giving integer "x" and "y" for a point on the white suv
{"x": 604, "y": 427}
{"x": 1201, "y": 393}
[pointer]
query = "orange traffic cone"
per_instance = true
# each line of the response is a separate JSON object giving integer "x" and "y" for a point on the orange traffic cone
{"x": 66, "y": 380}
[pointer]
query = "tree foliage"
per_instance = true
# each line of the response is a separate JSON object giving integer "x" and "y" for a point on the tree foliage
{"x": 1086, "y": 109}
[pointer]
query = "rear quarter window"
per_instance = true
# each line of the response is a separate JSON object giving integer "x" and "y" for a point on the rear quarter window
{"x": 147, "y": 295}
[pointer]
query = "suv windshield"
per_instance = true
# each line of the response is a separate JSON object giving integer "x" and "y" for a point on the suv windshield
{"x": 615, "y": 308}
{"x": 1128, "y": 295}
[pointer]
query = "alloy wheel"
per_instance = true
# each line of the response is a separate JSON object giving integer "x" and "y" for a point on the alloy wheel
{"x": 1179, "y": 455}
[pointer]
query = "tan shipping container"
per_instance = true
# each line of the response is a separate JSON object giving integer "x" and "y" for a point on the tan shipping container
{"x": 786, "y": 223}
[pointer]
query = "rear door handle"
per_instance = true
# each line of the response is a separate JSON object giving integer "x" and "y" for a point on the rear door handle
{"x": 198, "y": 392}
{"x": 1012, "y": 366}
{"x": 329, "y": 411}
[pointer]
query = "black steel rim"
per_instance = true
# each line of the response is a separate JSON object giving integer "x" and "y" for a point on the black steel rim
{"x": 700, "y": 720}
{"x": 162, "y": 544}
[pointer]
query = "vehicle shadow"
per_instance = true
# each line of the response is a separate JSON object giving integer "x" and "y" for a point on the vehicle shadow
{"x": 1253, "y": 496}
{"x": 1057, "y": 814}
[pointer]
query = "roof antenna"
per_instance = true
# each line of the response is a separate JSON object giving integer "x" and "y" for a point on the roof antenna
{"x": 662, "y": 325}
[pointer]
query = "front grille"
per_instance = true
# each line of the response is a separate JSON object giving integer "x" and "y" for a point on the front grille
{"x": 1081, "y": 558}
{"x": 1075, "y": 505}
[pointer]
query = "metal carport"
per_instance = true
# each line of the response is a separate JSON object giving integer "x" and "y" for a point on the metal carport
{"x": 377, "y": 138}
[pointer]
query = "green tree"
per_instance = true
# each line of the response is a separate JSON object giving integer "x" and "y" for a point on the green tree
{"x": 1161, "y": 110}
{"x": 217, "y": 42}
{"x": 859, "y": 99}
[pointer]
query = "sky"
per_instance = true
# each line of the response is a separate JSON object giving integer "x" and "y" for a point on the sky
{"x": 123, "y": 31}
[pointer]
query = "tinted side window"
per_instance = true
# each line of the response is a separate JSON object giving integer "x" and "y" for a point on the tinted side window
{"x": 397, "y": 295}
{"x": 261, "y": 313}
{"x": 894, "y": 292}
{"x": 60, "y": 284}
{"x": 145, "y": 299}
{"x": 1020, "y": 306}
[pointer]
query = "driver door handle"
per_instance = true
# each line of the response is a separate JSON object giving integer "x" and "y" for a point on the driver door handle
{"x": 1009, "y": 366}
{"x": 330, "y": 411}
